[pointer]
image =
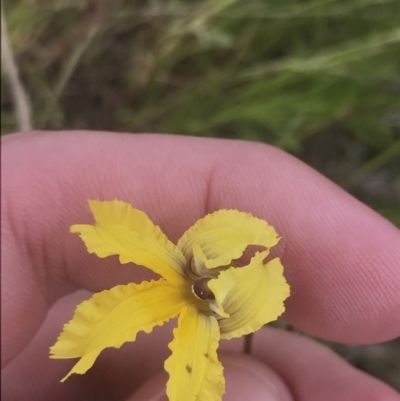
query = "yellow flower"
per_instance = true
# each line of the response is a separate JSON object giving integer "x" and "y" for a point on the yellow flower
{"x": 200, "y": 282}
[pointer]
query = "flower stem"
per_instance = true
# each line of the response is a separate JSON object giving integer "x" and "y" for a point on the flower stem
{"x": 290, "y": 328}
{"x": 248, "y": 342}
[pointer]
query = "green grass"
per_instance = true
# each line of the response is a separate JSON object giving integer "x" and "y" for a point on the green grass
{"x": 284, "y": 72}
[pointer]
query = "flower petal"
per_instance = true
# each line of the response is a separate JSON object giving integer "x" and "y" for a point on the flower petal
{"x": 113, "y": 317}
{"x": 223, "y": 236}
{"x": 122, "y": 230}
{"x": 252, "y": 295}
{"x": 194, "y": 370}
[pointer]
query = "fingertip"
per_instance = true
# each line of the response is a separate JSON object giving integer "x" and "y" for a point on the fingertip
{"x": 250, "y": 379}
{"x": 246, "y": 379}
{"x": 152, "y": 390}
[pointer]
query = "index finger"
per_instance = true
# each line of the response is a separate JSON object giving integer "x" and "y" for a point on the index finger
{"x": 341, "y": 258}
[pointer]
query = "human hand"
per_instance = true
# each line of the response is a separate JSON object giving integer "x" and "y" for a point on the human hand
{"x": 340, "y": 258}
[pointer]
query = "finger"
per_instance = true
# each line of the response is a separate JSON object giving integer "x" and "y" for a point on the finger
{"x": 311, "y": 371}
{"x": 123, "y": 372}
{"x": 32, "y": 375}
{"x": 337, "y": 252}
{"x": 246, "y": 379}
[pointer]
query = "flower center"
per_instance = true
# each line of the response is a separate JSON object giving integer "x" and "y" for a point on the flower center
{"x": 200, "y": 289}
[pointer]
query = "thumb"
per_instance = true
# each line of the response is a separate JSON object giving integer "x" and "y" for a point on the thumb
{"x": 246, "y": 379}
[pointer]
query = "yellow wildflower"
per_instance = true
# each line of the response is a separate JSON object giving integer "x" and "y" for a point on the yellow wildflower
{"x": 200, "y": 282}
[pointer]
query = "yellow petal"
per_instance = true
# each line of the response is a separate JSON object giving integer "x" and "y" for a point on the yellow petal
{"x": 222, "y": 236}
{"x": 252, "y": 295}
{"x": 128, "y": 232}
{"x": 113, "y": 317}
{"x": 195, "y": 374}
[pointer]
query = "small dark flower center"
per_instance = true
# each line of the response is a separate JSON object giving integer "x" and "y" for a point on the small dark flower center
{"x": 200, "y": 289}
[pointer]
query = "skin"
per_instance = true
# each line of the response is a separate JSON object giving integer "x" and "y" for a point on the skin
{"x": 341, "y": 260}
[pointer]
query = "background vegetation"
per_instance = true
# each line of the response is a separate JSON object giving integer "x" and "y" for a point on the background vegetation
{"x": 318, "y": 78}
